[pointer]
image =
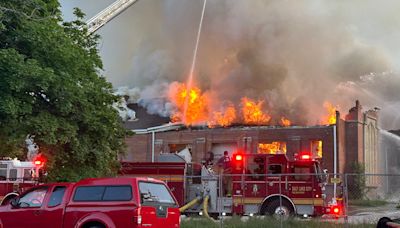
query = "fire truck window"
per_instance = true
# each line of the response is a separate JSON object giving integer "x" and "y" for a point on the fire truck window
{"x": 28, "y": 174}
{"x": 274, "y": 169}
{"x": 255, "y": 168}
{"x": 301, "y": 171}
{"x": 33, "y": 198}
{"x": 3, "y": 171}
{"x": 57, "y": 196}
{"x": 13, "y": 174}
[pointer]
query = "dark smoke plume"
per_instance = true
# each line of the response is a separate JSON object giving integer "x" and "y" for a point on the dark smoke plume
{"x": 293, "y": 54}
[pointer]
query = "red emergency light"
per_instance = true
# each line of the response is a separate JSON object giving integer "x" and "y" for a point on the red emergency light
{"x": 39, "y": 161}
{"x": 305, "y": 157}
{"x": 238, "y": 157}
{"x": 335, "y": 210}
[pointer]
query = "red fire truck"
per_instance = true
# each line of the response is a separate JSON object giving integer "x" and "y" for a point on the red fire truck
{"x": 17, "y": 176}
{"x": 255, "y": 184}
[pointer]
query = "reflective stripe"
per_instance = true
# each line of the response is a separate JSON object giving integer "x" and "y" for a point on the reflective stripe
{"x": 296, "y": 201}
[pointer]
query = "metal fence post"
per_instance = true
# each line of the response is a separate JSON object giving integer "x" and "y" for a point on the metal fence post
{"x": 280, "y": 198}
{"x": 346, "y": 201}
{"x": 221, "y": 192}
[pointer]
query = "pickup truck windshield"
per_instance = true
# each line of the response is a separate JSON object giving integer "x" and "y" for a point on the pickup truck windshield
{"x": 154, "y": 192}
{"x": 33, "y": 198}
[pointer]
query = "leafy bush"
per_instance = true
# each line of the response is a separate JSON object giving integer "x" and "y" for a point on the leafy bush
{"x": 356, "y": 183}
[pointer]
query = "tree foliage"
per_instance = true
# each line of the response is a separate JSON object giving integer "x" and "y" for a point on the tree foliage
{"x": 50, "y": 87}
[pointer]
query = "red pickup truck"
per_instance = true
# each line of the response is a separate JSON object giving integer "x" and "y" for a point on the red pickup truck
{"x": 94, "y": 203}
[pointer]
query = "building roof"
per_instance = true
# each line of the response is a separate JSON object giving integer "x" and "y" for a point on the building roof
{"x": 143, "y": 119}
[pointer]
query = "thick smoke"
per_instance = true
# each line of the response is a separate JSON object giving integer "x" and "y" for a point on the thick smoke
{"x": 293, "y": 54}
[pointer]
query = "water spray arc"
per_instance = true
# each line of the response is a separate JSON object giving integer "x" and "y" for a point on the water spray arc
{"x": 190, "y": 79}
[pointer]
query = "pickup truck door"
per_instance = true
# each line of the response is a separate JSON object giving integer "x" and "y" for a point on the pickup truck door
{"x": 52, "y": 212}
{"x": 27, "y": 213}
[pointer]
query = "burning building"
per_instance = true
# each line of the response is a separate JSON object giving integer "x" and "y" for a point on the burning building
{"x": 338, "y": 143}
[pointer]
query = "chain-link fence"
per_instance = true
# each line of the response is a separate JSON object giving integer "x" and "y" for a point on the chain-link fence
{"x": 372, "y": 196}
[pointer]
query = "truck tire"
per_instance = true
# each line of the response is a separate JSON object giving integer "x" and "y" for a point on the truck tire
{"x": 94, "y": 225}
{"x": 277, "y": 207}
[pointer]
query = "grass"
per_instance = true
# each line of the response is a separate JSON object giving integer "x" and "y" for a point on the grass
{"x": 367, "y": 203}
{"x": 235, "y": 222}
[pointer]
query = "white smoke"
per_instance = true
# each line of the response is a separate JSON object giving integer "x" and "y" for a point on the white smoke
{"x": 33, "y": 148}
{"x": 127, "y": 96}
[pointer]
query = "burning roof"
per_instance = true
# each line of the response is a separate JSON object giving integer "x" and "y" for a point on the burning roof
{"x": 195, "y": 107}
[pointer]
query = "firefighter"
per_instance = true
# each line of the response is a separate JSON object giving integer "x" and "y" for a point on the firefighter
{"x": 225, "y": 163}
{"x": 209, "y": 159}
{"x": 225, "y": 160}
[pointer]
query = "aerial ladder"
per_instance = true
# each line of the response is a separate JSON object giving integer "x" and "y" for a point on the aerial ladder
{"x": 109, "y": 13}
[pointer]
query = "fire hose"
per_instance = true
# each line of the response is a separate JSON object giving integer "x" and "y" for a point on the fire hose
{"x": 194, "y": 202}
{"x": 190, "y": 204}
{"x": 205, "y": 207}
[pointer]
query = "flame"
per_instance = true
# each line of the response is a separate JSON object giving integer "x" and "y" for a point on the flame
{"x": 201, "y": 109}
{"x": 272, "y": 148}
{"x": 285, "y": 122}
{"x": 225, "y": 118}
{"x": 331, "y": 117}
{"x": 252, "y": 113}
{"x": 197, "y": 110}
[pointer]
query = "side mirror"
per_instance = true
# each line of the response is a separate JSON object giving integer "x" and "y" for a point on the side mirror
{"x": 14, "y": 202}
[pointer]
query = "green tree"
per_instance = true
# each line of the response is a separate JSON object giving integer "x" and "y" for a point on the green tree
{"x": 51, "y": 87}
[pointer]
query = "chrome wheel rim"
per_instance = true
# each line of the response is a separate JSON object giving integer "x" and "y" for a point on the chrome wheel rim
{"x": 282, "y": 211}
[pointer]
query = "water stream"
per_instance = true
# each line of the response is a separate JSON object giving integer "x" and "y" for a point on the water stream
{"x": 190, "y": 79}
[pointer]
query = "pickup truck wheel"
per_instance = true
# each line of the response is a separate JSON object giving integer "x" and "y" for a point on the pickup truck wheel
{"x": 94, "y": 225}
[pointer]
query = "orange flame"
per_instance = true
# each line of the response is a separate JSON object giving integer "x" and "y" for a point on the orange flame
{"x": 196, "y": 111}
{"x": 285, "y": 122}
{"x": 331, "y": 117}
{"x": 225, "y": 118}
{"x": 252, "y": 113}
{"x": 272, "y": 148}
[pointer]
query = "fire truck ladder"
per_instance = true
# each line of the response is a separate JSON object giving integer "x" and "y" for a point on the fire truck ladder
{"x": 109, "y": 13}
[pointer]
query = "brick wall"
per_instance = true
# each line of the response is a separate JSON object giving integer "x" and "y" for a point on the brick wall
{"x": 298, "y": 140}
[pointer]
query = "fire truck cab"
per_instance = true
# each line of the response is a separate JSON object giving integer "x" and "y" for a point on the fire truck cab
{"x": 17, "y": 176}
{"x": 272, "y": 184}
